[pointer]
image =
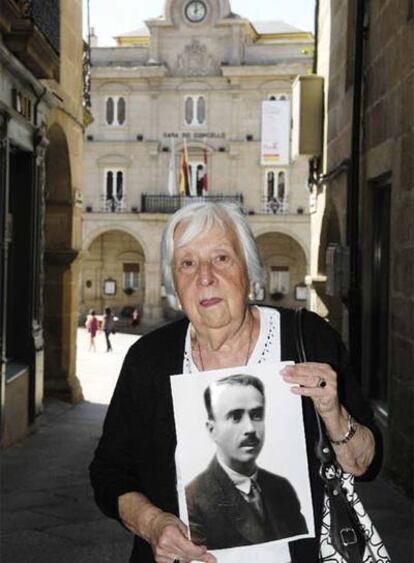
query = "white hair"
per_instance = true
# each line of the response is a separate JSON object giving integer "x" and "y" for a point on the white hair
{"x": 200, "y": 218}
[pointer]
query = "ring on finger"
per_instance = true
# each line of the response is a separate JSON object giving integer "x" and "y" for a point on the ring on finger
{"x": 321, "y": 382}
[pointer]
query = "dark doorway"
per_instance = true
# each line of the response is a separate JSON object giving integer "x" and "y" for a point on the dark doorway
{"x": 380, "y": 276}
{"x": 19, "y": 293}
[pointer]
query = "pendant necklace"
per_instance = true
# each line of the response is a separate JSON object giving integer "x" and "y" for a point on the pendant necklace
{"x": 248, "y": 346}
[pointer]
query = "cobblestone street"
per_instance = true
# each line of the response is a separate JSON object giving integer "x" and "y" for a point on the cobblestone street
{"x": 48, "y": 512}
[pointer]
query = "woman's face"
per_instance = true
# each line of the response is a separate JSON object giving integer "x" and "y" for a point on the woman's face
{"x": 211, "y": 278}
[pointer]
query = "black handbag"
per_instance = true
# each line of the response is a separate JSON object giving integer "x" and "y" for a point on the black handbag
{"x": 346, "y": 533}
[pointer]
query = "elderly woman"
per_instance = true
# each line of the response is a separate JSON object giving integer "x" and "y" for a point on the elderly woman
{"x": 210, "y": 261}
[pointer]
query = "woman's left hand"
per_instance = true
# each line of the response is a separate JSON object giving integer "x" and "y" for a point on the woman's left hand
{"x": 317, "y": 381}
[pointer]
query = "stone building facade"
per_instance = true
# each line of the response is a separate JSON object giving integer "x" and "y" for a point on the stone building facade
{"x": 41, "y": 127}
{"x": 192, "y": 82}
{"x": 363, "y": 229}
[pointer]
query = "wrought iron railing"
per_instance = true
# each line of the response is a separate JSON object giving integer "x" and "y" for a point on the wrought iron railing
{"x": 162, "y": 203}
{"x": 275, "y": 207}
{"x": 114, "y": 205}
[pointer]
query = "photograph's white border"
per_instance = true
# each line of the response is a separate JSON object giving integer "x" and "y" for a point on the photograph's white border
{"x": 284, "y": 450}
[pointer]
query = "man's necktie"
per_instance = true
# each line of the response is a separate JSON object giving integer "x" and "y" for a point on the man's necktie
{"x": 254, "y": 498}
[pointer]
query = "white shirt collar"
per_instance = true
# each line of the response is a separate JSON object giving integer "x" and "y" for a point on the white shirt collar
{"x": 241, "y": 482}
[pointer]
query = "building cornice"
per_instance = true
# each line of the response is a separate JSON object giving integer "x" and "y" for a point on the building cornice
{"x": 285, "y": 67}
{"x": 127, "y": 72}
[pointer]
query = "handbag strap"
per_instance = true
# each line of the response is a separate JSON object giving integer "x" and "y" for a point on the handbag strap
{"x": 323, "y": 449}
{"x": 346, "y": 533}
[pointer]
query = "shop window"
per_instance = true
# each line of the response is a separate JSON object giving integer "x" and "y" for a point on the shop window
{"x": 195, "y": 110}
{"x": 115, "y": 111}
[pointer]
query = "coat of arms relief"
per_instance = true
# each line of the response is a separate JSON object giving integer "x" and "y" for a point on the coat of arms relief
{"x": 196, "y": 61}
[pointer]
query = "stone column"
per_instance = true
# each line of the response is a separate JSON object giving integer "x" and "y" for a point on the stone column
{"x": 4, "y": 250}
{"x": 40, "y": 144}
{"x": 62, "y": 278}
{"x": 152, "y": 304}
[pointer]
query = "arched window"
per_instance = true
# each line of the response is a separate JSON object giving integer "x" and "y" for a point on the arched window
{"x": 115, "y": 111}
{"x": 189, "y": 110}
{"x": 195, "y": 110}
{"x": 276, "y": 97}
{"x": 270, "y": 185}
{"x": 110, "y": 111}
{"x": 121, "y": 111}
{"x": 201, "y": 110}
{"x": 281, "y": 186}
{"x": 109, "y": 185}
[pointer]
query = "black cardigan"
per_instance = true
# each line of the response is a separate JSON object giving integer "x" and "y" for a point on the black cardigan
{"x": 137, "y": 447}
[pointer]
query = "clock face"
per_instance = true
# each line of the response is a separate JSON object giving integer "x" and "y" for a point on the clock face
{"x": 195, "y": 11}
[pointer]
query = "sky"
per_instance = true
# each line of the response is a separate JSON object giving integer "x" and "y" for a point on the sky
{"x": 111, "y": 18}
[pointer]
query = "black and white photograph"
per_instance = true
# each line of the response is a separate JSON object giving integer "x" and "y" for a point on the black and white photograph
{"x": 241, "y": 461}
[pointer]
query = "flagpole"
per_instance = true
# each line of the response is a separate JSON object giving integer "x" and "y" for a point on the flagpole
{"x": 187, "y": 164}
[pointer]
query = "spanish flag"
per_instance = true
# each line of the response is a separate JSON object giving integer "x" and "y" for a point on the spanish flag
{"x": 184, "y": 184}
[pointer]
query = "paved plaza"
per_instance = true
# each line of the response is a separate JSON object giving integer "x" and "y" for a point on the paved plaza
{"x": 48, "y": 512}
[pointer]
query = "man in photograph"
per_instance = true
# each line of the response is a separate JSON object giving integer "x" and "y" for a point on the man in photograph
{"x": 234, "y": 502}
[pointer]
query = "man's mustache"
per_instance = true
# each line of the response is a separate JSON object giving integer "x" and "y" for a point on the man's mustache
{"x": 250, "y": 442}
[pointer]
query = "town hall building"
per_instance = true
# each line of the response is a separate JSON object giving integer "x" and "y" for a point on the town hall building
{"x": 203, "y": 89}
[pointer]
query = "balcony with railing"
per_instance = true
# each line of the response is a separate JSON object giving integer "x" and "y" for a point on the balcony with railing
{"x": 168, "y": 204}
{"x": 274, "y": 206}
{"x": 163, "y": 203}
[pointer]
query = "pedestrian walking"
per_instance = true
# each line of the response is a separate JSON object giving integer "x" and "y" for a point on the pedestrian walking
{"x": 92, "y": 328}
{"x": 108, "y": 327}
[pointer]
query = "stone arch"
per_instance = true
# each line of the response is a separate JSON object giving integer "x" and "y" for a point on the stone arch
{"x": 285, "y": 265}
{"x": 112, "y": 254}
{"x": 58, "y": 190}
{"x": 89, "y": 238}
{"x": 60, "y": 295}
{"x": 258, "y": 232}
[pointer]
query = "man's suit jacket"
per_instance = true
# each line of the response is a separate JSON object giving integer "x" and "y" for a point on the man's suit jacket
{"x": 220, "y": 517}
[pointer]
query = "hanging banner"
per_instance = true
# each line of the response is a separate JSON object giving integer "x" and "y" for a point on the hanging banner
{"x": 275, "y": 132}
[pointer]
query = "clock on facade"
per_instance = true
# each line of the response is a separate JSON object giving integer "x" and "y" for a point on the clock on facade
{"x": 195, "y": 11}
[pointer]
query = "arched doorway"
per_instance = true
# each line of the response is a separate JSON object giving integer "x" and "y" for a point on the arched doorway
{"x": 113, "y": 275}
{"x": 285, "y": 268}
{"x": 61, "y": 275}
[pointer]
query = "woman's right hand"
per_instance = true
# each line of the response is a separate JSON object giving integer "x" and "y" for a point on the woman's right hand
{"x": 169, "y": 541}
{"x": 165, "y": 532}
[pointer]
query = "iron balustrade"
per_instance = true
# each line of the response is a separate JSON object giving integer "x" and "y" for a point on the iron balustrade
{"x": 163, "y": 203}
{"x": 275, "y": 206}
